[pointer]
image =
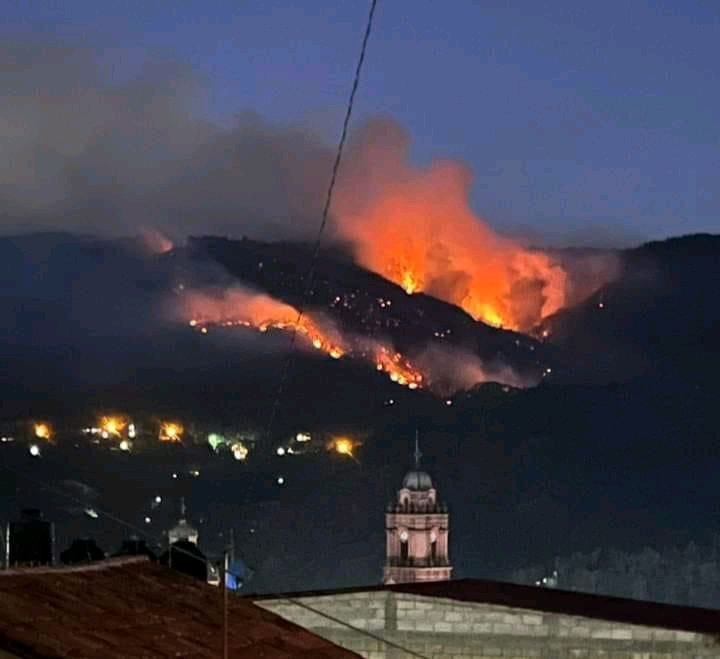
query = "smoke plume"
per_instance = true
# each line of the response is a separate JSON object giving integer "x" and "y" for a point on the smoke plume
{"x": 85, "y": 152}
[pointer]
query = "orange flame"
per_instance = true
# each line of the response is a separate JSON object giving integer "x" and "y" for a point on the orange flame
{"x": 398, "y": 368}
{"x": 239, "y": 308}
{"x": 415, "y": 227}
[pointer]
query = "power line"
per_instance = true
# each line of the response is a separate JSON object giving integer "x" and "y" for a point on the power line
{"x": 359, "y": 630}
{"x": 226, "y": 571}
{"x": 158, "y": 540}
{"x": 324, "y": 220}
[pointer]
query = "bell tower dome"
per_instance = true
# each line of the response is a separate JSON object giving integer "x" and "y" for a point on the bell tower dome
{"x": 416, "y": 531}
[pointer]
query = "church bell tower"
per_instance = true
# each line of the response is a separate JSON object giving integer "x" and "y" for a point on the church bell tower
{"x": 416, "y": 531}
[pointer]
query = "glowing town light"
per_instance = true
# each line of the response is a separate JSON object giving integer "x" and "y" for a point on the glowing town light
{"x": 280, "y": 450}
{"x": 132, "y": 432}
{"x": 343, "y": 446}
{"x": 174, "y": 475}
{"x": 124, "y": 445}
{"x": 170, "y": 431}
{"x": 34, "y": 450}
{"x": 280, "y": 480}
{"x": 240, "y": 451}
{"x": 112, "y": 426}
{"x": 43, "y": 431}
{"x": 448, "y": 402}
{"x": 302, "y": 437}
{"x": 148, "y": 520}
{"x": 216, "y": 441}
{"x": 601, "y": 305}
{"x": 194, "y": 473}
{"x": 90, "y": 512}
{"x": 158, "y": 499}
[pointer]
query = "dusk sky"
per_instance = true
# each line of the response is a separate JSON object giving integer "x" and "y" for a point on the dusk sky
{"x": 581, "y": 121}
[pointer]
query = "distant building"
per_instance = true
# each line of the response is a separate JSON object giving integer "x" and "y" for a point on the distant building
{"x": 30, "y": 540}
{"x": 135, "y": 546}
{"x": 82, "y": 550}
{"x": 182, "y": 530}
{"x": 416, "y": 530}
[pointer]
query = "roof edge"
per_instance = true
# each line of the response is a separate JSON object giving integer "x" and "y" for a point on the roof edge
{"x": 534, "y": 598}
{"x": 119, "y": 561}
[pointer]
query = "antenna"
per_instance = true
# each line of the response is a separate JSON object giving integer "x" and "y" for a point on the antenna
{"x": 418, "y": 455}
{"x": 182, "y": 507}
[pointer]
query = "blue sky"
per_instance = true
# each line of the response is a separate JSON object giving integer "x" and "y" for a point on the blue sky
{"x": 582, "y": 121}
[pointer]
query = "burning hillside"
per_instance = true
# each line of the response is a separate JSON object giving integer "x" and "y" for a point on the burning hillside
{"x": 239, "y": 308}
{"x": 415, "y": 227}
{"x": 245, "y": 309}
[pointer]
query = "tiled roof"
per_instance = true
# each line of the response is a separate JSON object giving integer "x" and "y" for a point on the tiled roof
{"x": 134, "y": 608}
{"x": 615, "y": 609}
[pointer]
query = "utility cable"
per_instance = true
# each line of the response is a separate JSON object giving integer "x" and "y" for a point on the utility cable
{"x": 179, "y": 550}
{"x": 359, "y": 630}
{"x": 324, "y": 220}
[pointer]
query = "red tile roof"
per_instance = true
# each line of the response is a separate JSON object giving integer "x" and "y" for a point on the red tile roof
{"x": 134, "y": 608}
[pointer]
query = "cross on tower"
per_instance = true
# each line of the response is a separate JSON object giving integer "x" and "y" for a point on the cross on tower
{"x": 418, "y": 455}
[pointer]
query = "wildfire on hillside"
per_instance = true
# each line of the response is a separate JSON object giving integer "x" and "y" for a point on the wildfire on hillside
{"x": 415, "y": 227}
{"x": 398, "y": 368}
{"x": 239, "y": 308}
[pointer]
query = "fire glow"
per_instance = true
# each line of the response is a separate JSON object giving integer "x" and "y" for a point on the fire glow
{"x": 239, "y": 308}
{"x": 415, "y": 227}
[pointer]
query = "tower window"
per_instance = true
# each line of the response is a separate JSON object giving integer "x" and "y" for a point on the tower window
{"x": 403, "y": 548}
{"x": 433, "y": 551}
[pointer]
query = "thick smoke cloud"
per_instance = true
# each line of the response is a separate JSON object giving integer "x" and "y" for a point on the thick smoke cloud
{"x": 89, "y": 151}
{"x": 84, "y": 152}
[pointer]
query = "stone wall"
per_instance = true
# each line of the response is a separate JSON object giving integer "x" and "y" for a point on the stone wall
{"x": 380, "y": 625}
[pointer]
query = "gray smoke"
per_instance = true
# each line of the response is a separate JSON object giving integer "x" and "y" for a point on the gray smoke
{"x": 85, "y": 152}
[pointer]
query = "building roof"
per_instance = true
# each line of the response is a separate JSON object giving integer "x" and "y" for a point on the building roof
{"x": 615, "y": 609}
{"x": 417, "y": 480}
{"x": 131, "y": 607}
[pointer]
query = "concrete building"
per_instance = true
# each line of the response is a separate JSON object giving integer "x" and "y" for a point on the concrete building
{"x": 472, "y": 619}
{"x": 416, "y": 531}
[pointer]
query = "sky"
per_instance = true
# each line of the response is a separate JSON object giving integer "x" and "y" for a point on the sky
{"x": 582, "y": 122}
